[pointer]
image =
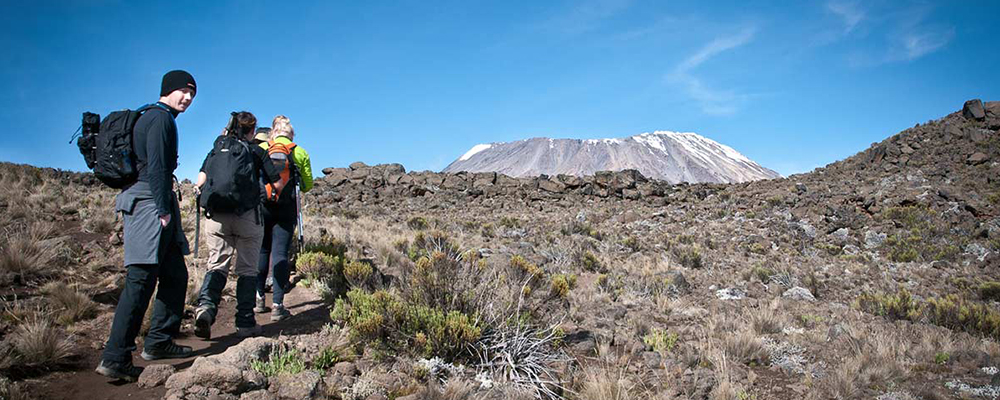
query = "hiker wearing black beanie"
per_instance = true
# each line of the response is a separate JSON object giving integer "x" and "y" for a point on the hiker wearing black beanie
{"x": 155, "y": 244}
{"x": 177, "y": 79}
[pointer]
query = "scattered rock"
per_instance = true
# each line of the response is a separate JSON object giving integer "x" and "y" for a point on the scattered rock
{"x": 357, "y": 165}
{"x": 973, "y": 109}
{"x": 798, "y": 293}
{"x": 678, "y": 283}
{"x": 258, "y": 395}
{"x": 730, "y": 294}
{"x": 304, "y": 385}
{"x": 155, "y": 375}
{"x": 874, "y": 239}
{"x": 977, "y": 158}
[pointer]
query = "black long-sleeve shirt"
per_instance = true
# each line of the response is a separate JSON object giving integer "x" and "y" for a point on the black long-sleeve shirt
{"x": 155, "y": 141}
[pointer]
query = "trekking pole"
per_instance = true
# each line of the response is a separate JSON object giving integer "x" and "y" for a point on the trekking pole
{"x": 298, "y": 208}
{"x": 197, "y": 222}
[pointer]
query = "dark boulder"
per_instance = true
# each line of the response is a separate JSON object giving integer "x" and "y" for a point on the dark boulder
{"x": 973, "y": 109}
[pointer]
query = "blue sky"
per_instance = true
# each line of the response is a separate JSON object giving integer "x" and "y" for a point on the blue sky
{"x": 792, "y": 85}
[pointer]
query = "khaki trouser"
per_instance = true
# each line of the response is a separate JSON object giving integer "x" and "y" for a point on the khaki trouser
{"x": 239, "y": 233}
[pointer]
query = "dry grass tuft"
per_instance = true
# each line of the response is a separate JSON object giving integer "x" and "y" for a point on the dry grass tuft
{"x": 744, "y": 347}
{"x": 38, "y": 344}
{"x": 69, "y": 304}
{"x": 765, "y": 319}
{"x": 12, "y": 390}
{"x": 608, "y": 378}
{"x": 28, "y": 252}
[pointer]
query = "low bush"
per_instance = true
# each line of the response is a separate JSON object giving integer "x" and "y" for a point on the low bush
{"x": 590, "y": 262}
{"x": 281, "y": 360}
{"x": 562, "y": 284}
{"x": 893, "y": 306}
{"x": 382, "y": 318}
{"x": 958, "y": 314}
{"x": 660, "y": 340}
{"x": 319, "y": 265}
{"x": 327, "y": 358}
{"x": 689, "y": 257}
{"x": 989, "y": 291}
{"x": 417, "y": 223}
{"x": 952, "y": 312}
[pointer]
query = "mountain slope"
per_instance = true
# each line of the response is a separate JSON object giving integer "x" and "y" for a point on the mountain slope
{"x": 670, "y": 156}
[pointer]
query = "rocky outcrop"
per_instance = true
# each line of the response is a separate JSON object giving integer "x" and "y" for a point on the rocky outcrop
{"x": 362, "y": 183}
{"x": 230, "y": 376}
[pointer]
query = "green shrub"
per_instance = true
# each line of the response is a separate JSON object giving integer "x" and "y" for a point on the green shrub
{"x": 383, "y": 318}
{"x": 327, "y": 358}
{"x": 281, "y": 361}
{"x": 689, "y": 257}
{"x": 989, "y": 291}
{"x": 331, "y": 247}
{"x": 590, "y": 262}
{"x": 527, "y": 267}
{"x": 941, "y": 358}
{"x": 893, "y": 306}
{"x": 562, "y": 284}
{"x": 314, "y": 264}
{"x": 510, "y": 222}
{"x": 762, "y": 273}
{"x": 958, "y": 314}
{"x": 358, "y": 273}
{"x": 417, "y": 223}
{"x": 660, "y": 340}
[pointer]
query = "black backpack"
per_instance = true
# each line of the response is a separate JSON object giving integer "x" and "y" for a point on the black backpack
{"x": 107, "y": 148}
{"x": 232, "y": 185}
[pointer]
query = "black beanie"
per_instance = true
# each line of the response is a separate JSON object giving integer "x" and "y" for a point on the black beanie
{"x": 177, "y": 79}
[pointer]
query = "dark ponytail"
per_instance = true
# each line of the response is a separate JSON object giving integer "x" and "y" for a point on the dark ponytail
{"x": 242, "y": 124}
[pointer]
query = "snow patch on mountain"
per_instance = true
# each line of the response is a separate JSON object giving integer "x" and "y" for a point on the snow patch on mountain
{"x": 475, "y": 149}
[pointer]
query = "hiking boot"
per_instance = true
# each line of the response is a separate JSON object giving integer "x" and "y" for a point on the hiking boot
{"x": 279, "y": 313}
{"x": 249, "y": 331}
{"x": 203, "y": 323}
{"x": 261, "y": 306}
{"x": 169, "y": 350}
{"x": 122, "y": 371}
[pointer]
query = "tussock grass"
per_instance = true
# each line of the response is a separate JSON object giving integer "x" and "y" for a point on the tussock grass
{"x": 29, "y": 252}
{"x": 765, "y": 320}
{"x": 12, "y": 390}
{"x": 38, "y": 344}
{"x": 69, "y": 304}
{"x": 608, "y": 378}
{"x": 744, "y": 347}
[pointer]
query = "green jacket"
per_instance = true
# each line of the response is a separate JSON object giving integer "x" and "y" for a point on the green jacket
{"x": 302, "y": 164}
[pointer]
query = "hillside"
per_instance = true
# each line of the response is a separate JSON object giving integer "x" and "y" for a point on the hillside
{"x": 873, "y": 277}
{"x": 668, "y": 156}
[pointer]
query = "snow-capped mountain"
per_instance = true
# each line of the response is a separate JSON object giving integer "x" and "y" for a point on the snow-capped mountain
{"x": 670, "y": 156}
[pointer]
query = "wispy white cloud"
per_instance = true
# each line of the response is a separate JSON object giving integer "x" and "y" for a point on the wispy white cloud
{"x": 711, "y": 100}
{"x": 918, "y": 43}
{"x": 586, "y": 16}
{"x": 909, "y": 35}
{"x": 850, "y": 13}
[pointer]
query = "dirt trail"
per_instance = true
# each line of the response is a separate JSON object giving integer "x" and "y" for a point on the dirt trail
{"x": 309, "y": 315}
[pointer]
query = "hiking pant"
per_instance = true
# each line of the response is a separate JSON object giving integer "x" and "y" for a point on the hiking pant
{"x": 229, "y": 233}
{"x": 279, "y": 227}
{"x": 168, "y": 309}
